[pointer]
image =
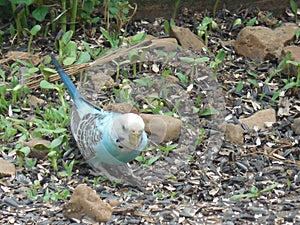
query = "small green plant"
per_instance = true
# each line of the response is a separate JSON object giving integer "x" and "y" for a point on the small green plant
{"x": 183, "y": 78}
{"x": 167, "y": 26}
{"x": 166, "y": 56}
{"x": 86, "y": 10}
{"x": 252, "y": 21}
{"x": 119, "y": 67}
{"x": 294, "y": 8}
{"x": 200, "y": 137}
{"x": 291, "y": 82}
{"x": 55, "y": 195}
{"x": 32, "y": 32}
{"x": 166, "y": 149}
{"x": 194, "y": 62}
{"x": 134, "y": 57}
{"x": 116, "y": 14}
{"x": 215, "y": 7}
{"x": 254, "y": 192}
{"x": 237, "y": 22}
{"x": 135, "y": 39}
{"x": 205, "y": 28}
{"x": 218, "y": 60}
{"x": 30, "y": 162}
{"x": 147, "y": 161}
{"x": 297, "y": 32}
{"x": 67, "y": 49}
{"x": 113, "y": 39}
{"x": 208, "y": 111}
{"x": 55, "y": 152}
{"x": 68, "y": 169}
{"x": 144, "y": 82}
{"x": 59, "y": 88}
{"x": 94, "y": 53}
{"x": 22, "y": 153}
{"x": 33, "y": 193}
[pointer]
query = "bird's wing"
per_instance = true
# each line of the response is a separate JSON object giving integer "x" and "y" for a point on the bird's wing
{"x": 87, "y": 129}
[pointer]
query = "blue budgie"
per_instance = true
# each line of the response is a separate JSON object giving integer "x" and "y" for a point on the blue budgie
{"x": 107, "y": 140}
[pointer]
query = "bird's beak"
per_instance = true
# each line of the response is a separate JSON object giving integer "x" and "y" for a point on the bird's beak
{"x": 135, "y": 138}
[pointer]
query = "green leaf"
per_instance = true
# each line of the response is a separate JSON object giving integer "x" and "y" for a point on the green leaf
{"x": 293, "y": 6}
{"x": 289, "y": 85}
{"x": 50, "y": 131}
{"x": 133, "y": 55}
{"x": 35, "y": 29}
{"x": 254, "y": 82}
{"x": 153, "y": 160}
{"x": 237, "y": 22}
{"x": 46, "y": 85}
{"x": 269, "y": 188}
{"x": 275, "y": 96}
{"x": 202, "y": 59}
{"x": 297, "y": 33}
{"x": 252, "y": 74}
{"x": 187, "y": 59}
{"x": 139, "y": 37}
{"x": 2, "y": 75}
{"x": 251, "y": 22}
{"x": 12, "y": 30}
{"x": 67, "y": 37}
{"x": 40, "y": 13}
{"x": 56, "y": 142}
{"x": 71, "y": 49}
{"x": 69, "y": 60}
{"x": 25, "y": 150}
{"x": 254, "y": 190}
{"x": 220, "y": 56}
{"x": 208, "y": 112}
{"x": 106, "y": 34}
{"x": 88, "y": 6}
{"x": 239, "y": 87}
{"x": 167, "y": 27}
{"x": 295, "y": 63}
{"x": 172, "y": 22}
{"x": 84, "y": 57}
{"x": 206, "y": 21}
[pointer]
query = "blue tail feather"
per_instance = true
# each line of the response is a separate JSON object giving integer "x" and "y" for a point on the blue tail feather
{"x": 74, "y": 93}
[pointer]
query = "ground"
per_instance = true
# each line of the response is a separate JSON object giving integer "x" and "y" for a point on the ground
{"x": 205, "y": 179}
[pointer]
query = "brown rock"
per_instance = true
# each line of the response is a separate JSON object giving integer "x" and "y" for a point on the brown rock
{"x": 186, "y": 38}
{"x": 234, "y": 133}
{"x": 35, "y": 101}
{"x": 296, "y": 126}
{"x": 261, "y": 43}
{"x": 85, "y": 202}
{"x": 6, "y": 168}
{"x": 39, "y": 148}
{"x": 260, "y": 118}
{"x": 295, "y": 56}
{"x": 162, "y": 128}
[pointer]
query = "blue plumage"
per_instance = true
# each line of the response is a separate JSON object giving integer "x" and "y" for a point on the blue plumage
{"x": 104, "y": 138}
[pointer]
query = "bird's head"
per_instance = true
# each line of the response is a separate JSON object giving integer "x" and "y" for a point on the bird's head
{"x": 129, "y": 129}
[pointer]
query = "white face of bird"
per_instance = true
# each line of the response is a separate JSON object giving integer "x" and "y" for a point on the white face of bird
{"x": 129, "y": 128}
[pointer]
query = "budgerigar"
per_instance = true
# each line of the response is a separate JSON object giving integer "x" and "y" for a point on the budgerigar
{"x": 107, "y": 140}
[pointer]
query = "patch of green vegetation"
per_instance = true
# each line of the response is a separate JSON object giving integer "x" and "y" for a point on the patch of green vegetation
{"x": 254, "y": 192}
{"x": 294, "y": 8}
{"x": 206, "y": 27}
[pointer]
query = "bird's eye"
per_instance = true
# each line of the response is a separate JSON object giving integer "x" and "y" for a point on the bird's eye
{"x": 120, "y": 146}
{"x": 123, "y": 127}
